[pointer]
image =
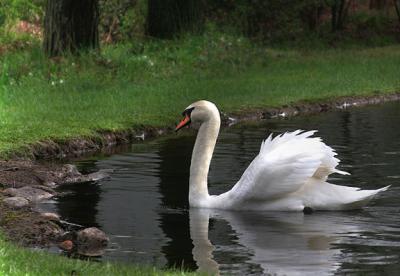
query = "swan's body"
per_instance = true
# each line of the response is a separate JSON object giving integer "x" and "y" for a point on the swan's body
{"x": 288, "y": 174}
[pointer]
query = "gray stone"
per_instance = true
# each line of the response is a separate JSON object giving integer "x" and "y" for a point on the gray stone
{"x": 51, "y": 216}
{"x": 28, "y": 192}
{"x": 91, "y": 242}
{"x": 70, "y": 169}
{"x": 96, "y": 176}
{"x": 9, "y": 191}
{"x": 50, "y": 184}
{"x": 16, "y": 202}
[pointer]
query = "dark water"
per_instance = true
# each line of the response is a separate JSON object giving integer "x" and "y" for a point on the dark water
{"x": 143, "y": 207}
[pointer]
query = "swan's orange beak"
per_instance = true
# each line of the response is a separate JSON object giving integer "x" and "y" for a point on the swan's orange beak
{"x": 185, "y": 121}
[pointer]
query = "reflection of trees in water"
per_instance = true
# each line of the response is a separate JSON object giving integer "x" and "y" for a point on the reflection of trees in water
{"x": 175, "y": 155}
{"x": 368, "y": 133}
{"x": 81, "y": 205}
{"x": 346, "y": 139}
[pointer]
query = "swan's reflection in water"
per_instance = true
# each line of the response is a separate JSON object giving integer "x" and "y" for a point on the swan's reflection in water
{"x": 278, "y": 243}
{"x": 202, "y": 247}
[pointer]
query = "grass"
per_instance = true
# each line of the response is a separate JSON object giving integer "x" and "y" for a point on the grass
{"x": 128, "y": 85}
{"x": 16, "y": 261}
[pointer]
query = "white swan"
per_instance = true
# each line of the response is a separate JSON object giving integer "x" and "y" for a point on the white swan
{"x": 289, "y": 173}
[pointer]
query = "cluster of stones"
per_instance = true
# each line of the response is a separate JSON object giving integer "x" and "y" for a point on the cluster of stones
{"x": 22, "y": 195}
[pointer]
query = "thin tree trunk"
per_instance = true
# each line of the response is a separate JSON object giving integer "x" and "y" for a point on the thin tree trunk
{"x": 339, "y": 11}
{"x": 340, "y": 15}
{"x": 334, "y": 16}
{"x": 70, "y": 25}
{"x": 396, "y": 5}
{"x": 311, "y": 16}
{"x": 344, "y": 12}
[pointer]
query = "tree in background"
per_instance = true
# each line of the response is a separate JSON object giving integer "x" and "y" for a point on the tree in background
{"x": 397, "y": 7}
{"x": 170, "y": 18}
{"x": 311, "y": 13}
{"x": 339, "y": 11}
{"x": 70, "y": 25}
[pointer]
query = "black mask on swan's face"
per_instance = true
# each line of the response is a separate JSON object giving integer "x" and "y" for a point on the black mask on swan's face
{"x": 186, "y": 118}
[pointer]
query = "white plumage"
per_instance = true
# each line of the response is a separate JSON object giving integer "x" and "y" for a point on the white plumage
{"x": 288, "y": 174}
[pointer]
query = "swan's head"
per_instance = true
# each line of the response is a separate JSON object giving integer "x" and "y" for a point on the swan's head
{"x": 198, "y": 112}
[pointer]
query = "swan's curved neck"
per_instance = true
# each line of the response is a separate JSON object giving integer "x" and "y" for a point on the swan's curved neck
{"x": 201, "y": 159}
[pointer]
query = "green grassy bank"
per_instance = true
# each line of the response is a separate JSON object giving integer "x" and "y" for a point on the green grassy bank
{"x": 127, "y": 85}
{"x": 15, "y": 261}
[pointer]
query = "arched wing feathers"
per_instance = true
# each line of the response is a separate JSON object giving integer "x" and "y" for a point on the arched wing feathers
{"x": 285, "y": 163}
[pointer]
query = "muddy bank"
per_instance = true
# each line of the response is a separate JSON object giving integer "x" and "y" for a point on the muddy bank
{"x": 23, "y": 184}
{"x": 105, "y": 140}
{"x": 101, "y": 141}
{"x": 303, "y": 108}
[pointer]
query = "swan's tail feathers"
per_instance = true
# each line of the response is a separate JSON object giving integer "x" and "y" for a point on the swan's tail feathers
{"x": 327, "y": 196}
{"x": 365, "y": 196}
{"x": 383, "y": 189}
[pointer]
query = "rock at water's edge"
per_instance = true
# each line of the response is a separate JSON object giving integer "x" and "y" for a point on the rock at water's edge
{"x": 29, "y": 193}
{"x": 91, "y": 242}
{"x": 51, "y": 216}
{"x": 16, "y": 202}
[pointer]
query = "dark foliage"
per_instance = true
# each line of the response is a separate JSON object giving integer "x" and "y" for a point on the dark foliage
{"x": 170, "y": 18}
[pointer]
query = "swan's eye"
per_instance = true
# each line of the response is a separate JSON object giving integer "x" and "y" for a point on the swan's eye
{"x": 187, "y": 112}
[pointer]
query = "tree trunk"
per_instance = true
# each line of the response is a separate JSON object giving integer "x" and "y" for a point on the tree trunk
{"x": 311, "y": 15}
{"x": 397, "y": 7}
{"x": 340, "y": 15}
{"x": 70, "y": 25}
{"x": 339, "y": 11}
{"x": 334, "y": 16}
{"x": 170, "y": 18}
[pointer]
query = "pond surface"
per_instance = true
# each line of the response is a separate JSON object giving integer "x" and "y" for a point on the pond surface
{"x": 143, "y": 206}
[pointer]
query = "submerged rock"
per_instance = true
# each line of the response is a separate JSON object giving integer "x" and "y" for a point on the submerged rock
{"x": 16, "y": 202}
{"x": 91, "y": 242}
{"x": 74, "y": 176}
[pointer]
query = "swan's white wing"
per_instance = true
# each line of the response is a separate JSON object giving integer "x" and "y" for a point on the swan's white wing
{"x": 284, "y": 165}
